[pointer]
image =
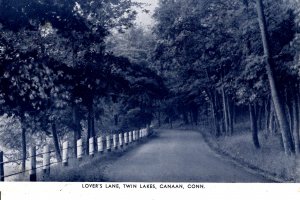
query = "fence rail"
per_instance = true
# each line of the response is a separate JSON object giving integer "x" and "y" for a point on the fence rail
{"x": 100, "y": 144}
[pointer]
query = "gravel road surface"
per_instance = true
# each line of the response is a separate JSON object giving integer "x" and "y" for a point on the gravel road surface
{"x": 176, "y": 156}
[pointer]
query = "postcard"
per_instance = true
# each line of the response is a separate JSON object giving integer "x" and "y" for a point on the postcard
{"x": 151, "y": 99}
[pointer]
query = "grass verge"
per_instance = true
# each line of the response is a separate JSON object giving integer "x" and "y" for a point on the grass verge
{"x": 269, "y": 161}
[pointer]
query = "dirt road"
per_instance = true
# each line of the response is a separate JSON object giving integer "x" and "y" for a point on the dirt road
{"x": 176, "y": 156}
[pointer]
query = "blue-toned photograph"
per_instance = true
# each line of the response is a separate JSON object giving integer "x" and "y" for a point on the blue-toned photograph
{"x": 144, "y": 91}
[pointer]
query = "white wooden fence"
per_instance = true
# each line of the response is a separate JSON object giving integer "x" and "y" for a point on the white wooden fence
{"x": 105, "y": 144}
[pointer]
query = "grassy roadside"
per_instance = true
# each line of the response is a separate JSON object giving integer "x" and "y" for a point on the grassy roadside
{"x": 269, "y": 161}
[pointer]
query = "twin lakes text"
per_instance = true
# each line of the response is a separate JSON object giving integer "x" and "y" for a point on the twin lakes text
{"x": 140, "y": 186}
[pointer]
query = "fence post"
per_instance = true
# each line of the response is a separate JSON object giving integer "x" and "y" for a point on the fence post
{"x": 130, "y": 137}
{"x": 100, "y": 144}
{"x": 65, "y": 154}
{"x": 1, "y": 166}
{"x": 79, "y": 149}
{"x": 115, "y": 141}
{"x": 121, "y": 140}
{"x": 46, "y": 160}
{"x": 91, "y": 147}
{"x": 133, "y": 136}
{"x": 108, "y": 147}
{"x": 126, "y": 138}
{"x": 32, "y": 173}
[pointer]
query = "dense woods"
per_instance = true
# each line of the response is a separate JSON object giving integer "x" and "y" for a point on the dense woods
{"x": 232, "y": 59}
{"x": 57, "y": 76}
{"x": 78, "y": 68}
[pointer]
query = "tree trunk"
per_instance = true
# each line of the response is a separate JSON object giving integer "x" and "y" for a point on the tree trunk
{"x": 298, "y": 111}
{"x": 260, "y": 117}
{"x": 225, "y": 113}
{"x": 272, "y": 120}
{"x": 190, "y": 114}
{"x": 89, "y": 132}
{"x": 253, "y": 119}
{"x": 56, "y": 142}
{"x": 230, "y": 116}
{"x": 185, "y": 118}
{"x": 289, "y": 111}
{"x": 278, "y": 104}
{"x": 93, "y": 129}
{"x": 276, "y": 130}
{"x": 234, "y": 118}
{"x": 296, "y": 124}
{"x": 267, "y": 117}
{"x": 215, "y": 119}
{"x": 91, "y": 126}
{"x": 76, "y": 128}
{"x": 195, "y": 115}
{"x": 24, "y": 150}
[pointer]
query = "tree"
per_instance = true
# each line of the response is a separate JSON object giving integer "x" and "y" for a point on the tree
{"x": 211, "y": 52}
{"x": 278, "y": 104}
{"x": 29, "y": 80}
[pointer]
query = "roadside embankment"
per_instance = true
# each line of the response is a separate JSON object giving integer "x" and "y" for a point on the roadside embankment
{"x": 269, "y": 161}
